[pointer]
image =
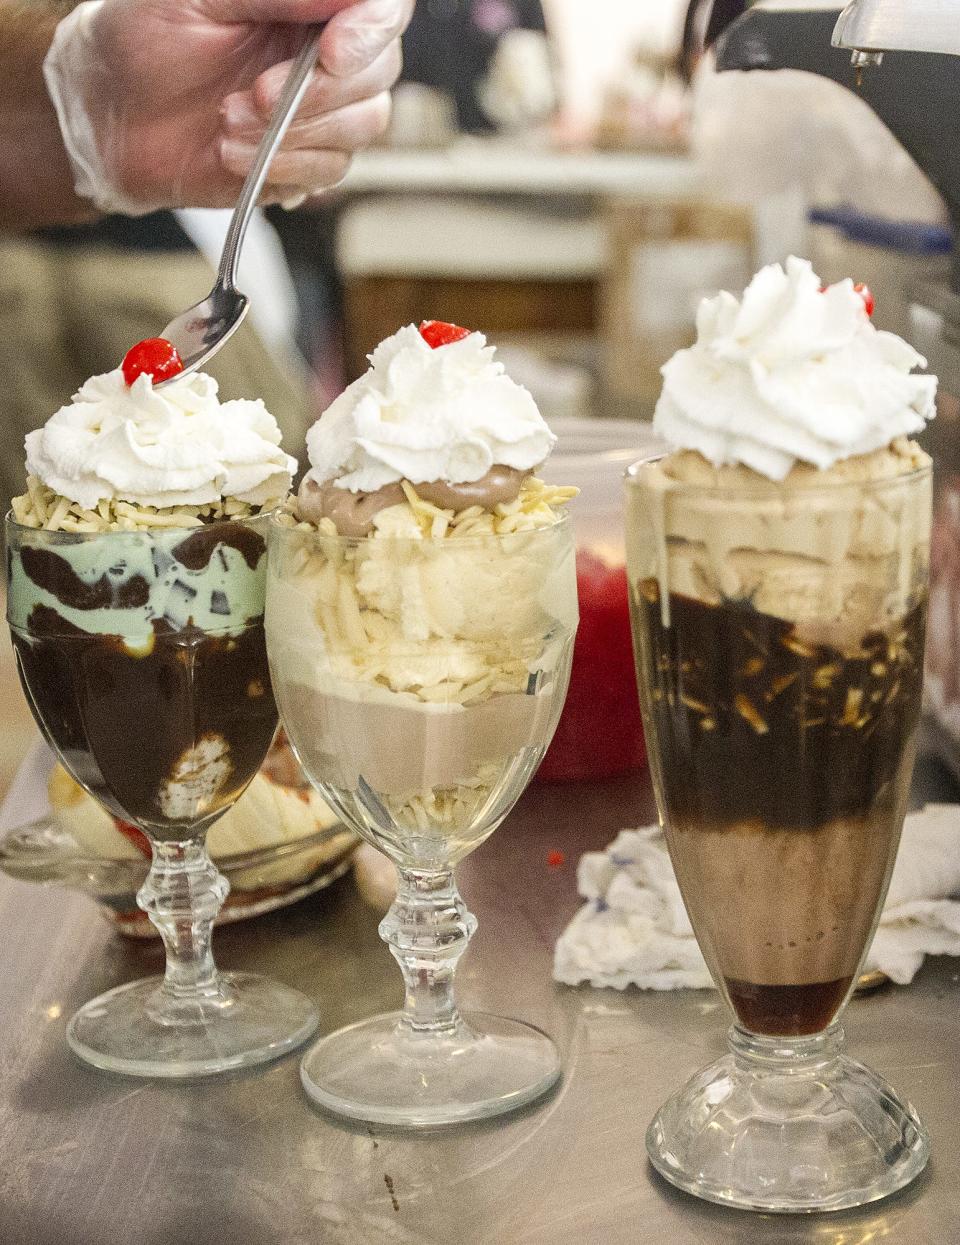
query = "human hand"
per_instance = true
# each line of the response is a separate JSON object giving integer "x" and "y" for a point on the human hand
{"x": 162, "y": 102}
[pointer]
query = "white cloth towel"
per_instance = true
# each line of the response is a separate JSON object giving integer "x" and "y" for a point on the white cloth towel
{"x": 634, "y": 929}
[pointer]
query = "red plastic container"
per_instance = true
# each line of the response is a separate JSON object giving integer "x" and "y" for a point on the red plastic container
{"x": 600, "y": 732}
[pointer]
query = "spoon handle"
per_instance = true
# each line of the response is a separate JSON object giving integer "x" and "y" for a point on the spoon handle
{"x": 293, "y": 92}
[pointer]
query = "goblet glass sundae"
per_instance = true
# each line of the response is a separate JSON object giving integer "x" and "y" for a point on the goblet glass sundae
{"x": 421, "y": 609}
{"x": 778, "y": 567}
{"x": 136, "y": 568}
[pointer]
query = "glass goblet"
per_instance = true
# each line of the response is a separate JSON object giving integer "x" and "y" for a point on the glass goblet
{"x": 142, "y": 656}
{"x": 420, "y": 682}
{"x": 779, "y": 644}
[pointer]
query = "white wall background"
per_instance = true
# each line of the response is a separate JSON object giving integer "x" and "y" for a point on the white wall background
{"x": 596, "y": 37}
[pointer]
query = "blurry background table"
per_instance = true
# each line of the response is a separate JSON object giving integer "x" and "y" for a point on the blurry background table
{"x": 92, "y": 1160}
{"x": 491, "y": 234}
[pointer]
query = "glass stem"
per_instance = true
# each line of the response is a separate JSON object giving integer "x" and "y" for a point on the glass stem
{"x": 182, "y": 895}
{"x": 427, "y": 929}
{"x": 775, "y": 1057}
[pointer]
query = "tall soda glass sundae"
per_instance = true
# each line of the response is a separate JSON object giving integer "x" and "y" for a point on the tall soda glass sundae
{"x": 778, "y": 565}
{"x": 421, "y": 610}
{"x": 136, "y": 574}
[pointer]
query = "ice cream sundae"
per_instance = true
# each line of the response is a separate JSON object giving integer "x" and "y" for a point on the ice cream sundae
{"x": 136, "y": 590}
{"x": 136, "y": 575}
{"x": 780, "y": 602}
{"x": 409, "y": 632}
{"x": 421, "y": 610}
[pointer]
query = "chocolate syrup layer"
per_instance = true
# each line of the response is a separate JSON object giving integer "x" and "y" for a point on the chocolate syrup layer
{"x": 195, "y": 551}
{"x": 787, "y": 1011}
{"x": 114, "y": 590}
{"x": 163, "y": 739}
{"x": 756, "y": 724}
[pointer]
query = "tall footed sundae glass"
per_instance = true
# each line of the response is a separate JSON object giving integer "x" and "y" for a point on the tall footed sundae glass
{"x": 420, "y": 638}
{"x": 778, "y": 569}
{"x": 138, "y": 632}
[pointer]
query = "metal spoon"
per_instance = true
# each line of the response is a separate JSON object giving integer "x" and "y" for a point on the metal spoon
{"x": 200, "y": 331}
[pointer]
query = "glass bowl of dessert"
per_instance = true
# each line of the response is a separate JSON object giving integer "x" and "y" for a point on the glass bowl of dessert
{"x": 778, "y": 559}
{"x": 278, "y": 844}
{"x": 136, "y": 573}
{"x": 420, "y": 615}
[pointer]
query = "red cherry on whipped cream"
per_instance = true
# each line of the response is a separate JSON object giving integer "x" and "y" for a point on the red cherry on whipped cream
{"x": 864, "y": 292}
{"x": 154, "y": 357}
{"x": 866, "y": 295}
{"x": 438, "y": 333}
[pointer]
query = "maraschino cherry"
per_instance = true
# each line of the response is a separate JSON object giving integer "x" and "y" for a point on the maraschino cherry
{"x": 155, "y": 357}
{"x": 438, "y": 333}
{"x": 866, "y": 295}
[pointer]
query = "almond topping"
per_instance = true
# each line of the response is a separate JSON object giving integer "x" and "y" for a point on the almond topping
{"x": 748, "y": 711}
{"x": 797, "y": 646}
{"x": 825, "y": 675}
{"x": 780, "y": 684}
{"x": 851, "y": 710}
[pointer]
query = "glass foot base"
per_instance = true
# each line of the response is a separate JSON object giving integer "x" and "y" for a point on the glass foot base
{"x": 132, "y": 1029}
{"x": 382, "y": 1072}
{"x": 788, "y": 1125}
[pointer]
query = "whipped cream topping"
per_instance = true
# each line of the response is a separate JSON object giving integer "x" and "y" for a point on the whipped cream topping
{"x": 789, "y": 374}
{"x": 425, "y": 415}
{"x": 176, "y": 446}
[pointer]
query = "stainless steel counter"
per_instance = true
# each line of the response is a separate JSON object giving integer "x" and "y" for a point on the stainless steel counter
{"x": 90, "y": 1160}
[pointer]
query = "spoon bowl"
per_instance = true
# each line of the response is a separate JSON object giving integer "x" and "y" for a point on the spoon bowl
{"x": 201, "y": 330}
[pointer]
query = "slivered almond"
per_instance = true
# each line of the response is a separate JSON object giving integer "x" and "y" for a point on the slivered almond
{"x": 780, "y": 684}
{"x": 750, "y": 714}
{"x": 692, "y": 703}
{"x": 752, "y": 667}
{"x": 851, "y": 710}
{"x": 823, "y": 676}
{"x": 797, "y": 646}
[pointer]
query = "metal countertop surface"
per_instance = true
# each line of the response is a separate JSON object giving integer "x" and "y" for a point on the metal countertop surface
{"x": 88, "y": 1159}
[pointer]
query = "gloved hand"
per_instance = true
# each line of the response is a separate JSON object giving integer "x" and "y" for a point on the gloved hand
{"x": 162, "y": 102}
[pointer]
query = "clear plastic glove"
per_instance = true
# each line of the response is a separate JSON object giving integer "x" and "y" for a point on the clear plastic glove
{"x": 162, "y": 102}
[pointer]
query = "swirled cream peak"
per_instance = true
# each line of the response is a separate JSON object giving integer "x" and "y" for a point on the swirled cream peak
{"x": 791, "y": 373}
{"x": 179, "y": 446}
{"x": 425, "y": 415}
